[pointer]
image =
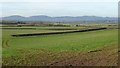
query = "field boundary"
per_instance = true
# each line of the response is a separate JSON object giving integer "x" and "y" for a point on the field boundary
{"x": 51, "y": 33}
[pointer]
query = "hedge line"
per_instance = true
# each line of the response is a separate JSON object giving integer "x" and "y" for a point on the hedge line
{"x": 51, "y": 33}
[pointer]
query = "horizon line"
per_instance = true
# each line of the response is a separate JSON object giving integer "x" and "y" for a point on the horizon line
{"x": 57, "y": 16}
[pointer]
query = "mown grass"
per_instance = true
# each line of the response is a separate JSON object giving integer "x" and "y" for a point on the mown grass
{"x": 76, "y": 42}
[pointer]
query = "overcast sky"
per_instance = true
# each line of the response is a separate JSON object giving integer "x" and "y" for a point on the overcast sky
{"x": 61, "y": 8}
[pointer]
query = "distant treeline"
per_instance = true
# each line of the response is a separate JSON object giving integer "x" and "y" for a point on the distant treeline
{"x": 75, "y": 22}
{"x": 29, "y": 23}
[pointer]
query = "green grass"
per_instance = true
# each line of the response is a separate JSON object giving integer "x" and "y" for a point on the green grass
{"x": 73, "y": 42}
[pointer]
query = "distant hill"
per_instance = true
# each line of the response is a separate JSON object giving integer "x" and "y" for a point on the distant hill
{"x": 44, "y": 18}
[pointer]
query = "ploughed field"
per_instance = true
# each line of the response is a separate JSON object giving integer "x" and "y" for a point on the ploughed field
{"x": 72, "y": 49}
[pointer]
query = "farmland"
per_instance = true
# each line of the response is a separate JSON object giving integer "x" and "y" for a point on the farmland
{"x": 71, "y": 49}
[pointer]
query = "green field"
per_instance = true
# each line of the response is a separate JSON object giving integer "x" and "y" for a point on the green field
{"x": 22, "y": 48}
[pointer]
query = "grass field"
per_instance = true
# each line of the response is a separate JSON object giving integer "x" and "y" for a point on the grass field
{"x": 44, "y": 50}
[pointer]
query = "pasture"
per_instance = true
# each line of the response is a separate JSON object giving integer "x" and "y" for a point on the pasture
{"x": 55, "y": 49}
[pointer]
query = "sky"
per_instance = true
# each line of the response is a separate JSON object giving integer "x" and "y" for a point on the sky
{"x": 105, "y": 8}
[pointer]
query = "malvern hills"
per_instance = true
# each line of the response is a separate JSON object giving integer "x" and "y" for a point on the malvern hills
{"x": 60, "y": 18}
{"x": 44, "y": 18}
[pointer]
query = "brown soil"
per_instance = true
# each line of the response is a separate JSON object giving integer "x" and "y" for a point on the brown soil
{"x": 107, "y": 56}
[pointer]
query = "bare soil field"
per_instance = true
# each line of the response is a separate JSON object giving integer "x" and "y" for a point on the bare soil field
{"x": 107, "y": 56}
